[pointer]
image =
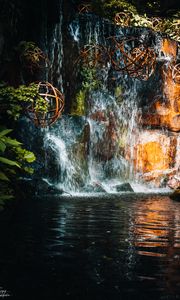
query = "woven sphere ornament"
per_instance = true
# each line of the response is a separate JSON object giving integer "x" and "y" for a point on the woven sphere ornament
{"x": 122, "y": 19}
{"x": 137, "y": 61}
{"x": 176, "y": 73}
{"x": 157, "y": 23}
{"x": 53, "y": 100}
{"x": 93, "y": 55}
{"x": 84, "y": 8}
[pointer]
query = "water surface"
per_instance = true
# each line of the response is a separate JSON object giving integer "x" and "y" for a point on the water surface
{"x": 103, "y": 247}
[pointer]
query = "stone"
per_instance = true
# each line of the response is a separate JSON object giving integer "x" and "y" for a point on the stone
{"x": 107, "y": 144}
{"x": 154, "y": 150}
{"x": 95, "y": 187}
{"x": 169, "y": 47}
{"x": 174, "y": 181}
{"x": 158, "y": 178}
{"x": 156, "y": 157}
{"x": 175, "y": 195}
{"x": 165, "y": 111}
{"x": 124, "y": 187}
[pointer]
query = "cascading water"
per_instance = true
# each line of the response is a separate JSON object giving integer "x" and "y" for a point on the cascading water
{"x": 104, "y": 157}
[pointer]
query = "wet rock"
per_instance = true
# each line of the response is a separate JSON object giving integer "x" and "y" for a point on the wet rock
{"x": 159, "y": 178}
{"x": 154, "y": 150}
{"x": 124, "y": 187}
{"x": 176, "y": 195}
{"x": 95, "y": 187}
{"x": 165, "y": 111}
{"x": 174, "y": 182}
{"x": 169, "y": 48}
{"x": 107, "y": 144}
{"x": 38, "y": 186}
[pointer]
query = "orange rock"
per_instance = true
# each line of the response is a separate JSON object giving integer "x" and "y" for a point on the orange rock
{"x": 169, "y": 47}
{"x": 150, "y": 157}
{"x": 154, "y": 151}
{"x": 177, "y": 155}
{"x": 166, "y": 113}
{"x": 170, "y": 121}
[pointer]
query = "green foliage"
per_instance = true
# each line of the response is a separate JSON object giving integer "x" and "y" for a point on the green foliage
{"x": 90, "y": 79}
{"x": 90, "y": 82}
{"x": 15, "y": 100}
{"x": 110, "y": 7}
{"x": 13, "y": 161}
{"x": 78, "y": 107}
{"x": 169, "y": 25}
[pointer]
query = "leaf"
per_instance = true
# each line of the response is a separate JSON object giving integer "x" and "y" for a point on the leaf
{"x": 30, "y": 157}
{"x": 3, "y": 177}
{"x": 9, "y": 162}
{"x": 5, "y": 132}
{"x": 6, "y": 197}
{"x": 2, "y": 146}
{"x": 11, "y": 142}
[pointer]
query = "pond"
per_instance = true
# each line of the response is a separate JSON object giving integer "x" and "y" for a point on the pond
{"x": 92, "y": 247}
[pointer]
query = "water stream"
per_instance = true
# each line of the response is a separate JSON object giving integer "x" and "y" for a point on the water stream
{"x": 104, "y": 156}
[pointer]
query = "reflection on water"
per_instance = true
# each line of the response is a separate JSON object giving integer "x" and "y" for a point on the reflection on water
{"x": 111, "y": 247}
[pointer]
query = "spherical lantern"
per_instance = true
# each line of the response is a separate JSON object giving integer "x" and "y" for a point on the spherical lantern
{"x": 176, "y": 73}
{"x": 93, "y": 55}
{"x": 45, "y": 110}
{"x": 133, "y": 58}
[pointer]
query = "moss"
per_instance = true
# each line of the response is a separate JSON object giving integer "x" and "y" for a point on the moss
{"x": 90, "y": 82}
{"x": 78, "y": 106}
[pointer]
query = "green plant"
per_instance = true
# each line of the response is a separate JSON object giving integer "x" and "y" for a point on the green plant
{"x": 78, "y": 106}
{"x": 169, "y": 25}
{"x": 90, "y": 82}
{"x": 13, "y": 162}
{"x": 15, "y": 100}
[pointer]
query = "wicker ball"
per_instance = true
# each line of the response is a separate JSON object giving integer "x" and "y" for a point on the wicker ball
{"x": 55, "y": 105}
{"x": 138, "y": 61}
{"x": 84, "y": 8}
{"x": 176, "y": 73}
{"x": 122, "y": 19}
{"x": 93, "y": 55}
{"x": 157, "y": 23}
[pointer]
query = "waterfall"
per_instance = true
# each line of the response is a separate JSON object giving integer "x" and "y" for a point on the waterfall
{"x": 104, "y": 156}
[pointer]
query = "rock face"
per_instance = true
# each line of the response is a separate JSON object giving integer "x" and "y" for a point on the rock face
{"x": 154, "y": 150}
{"x": 165, "y": 111}
{"x": 157, "y": 152}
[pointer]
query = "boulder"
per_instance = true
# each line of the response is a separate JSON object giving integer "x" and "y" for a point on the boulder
{"x": 95, "y": 187}
{"x": 174, "y": 182}
{"x": 176, "y": 195}
{"x": 124, "y": 187}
